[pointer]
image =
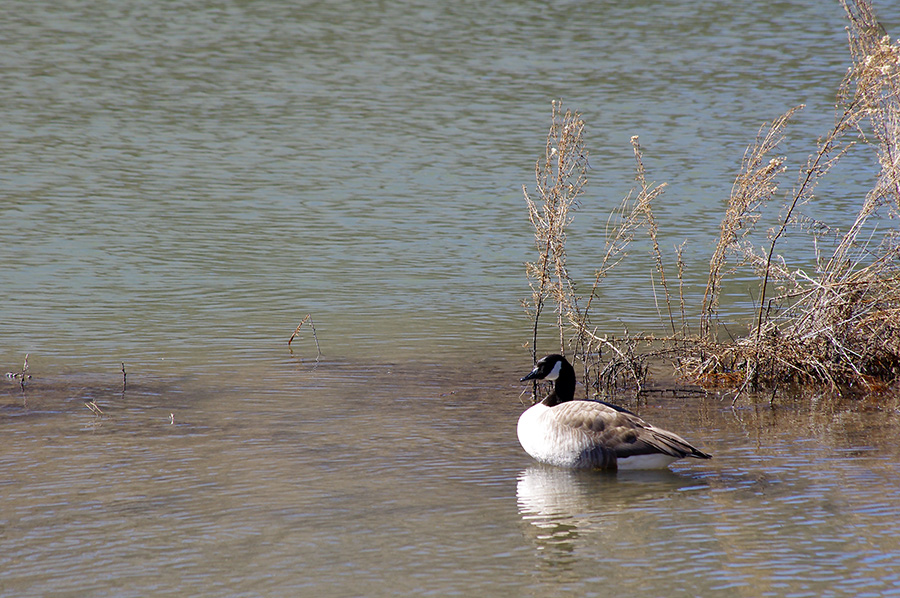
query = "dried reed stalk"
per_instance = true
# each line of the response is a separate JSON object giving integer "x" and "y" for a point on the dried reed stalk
{"x": 560, "y": 180}
{"x": 646, "y": 196}
{"x": 752, "y": 189}
{"x": 635, "y": 213}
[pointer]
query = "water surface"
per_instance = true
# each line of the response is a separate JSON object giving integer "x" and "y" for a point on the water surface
{"x": 182, "y": 184}
{"x": 342, "y": 480}
{"x": 185, "y": 183}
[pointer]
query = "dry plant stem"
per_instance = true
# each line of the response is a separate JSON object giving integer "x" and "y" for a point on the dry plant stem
{"x": 634, "y": 213}
{"x": 876, "y": 77}
{"x": 23, "y": 377}
{"x": 645, "y": 199}
{"x": 679, "y": 257}
{"x": 818, "y": 165}
{"x": 620, "y": 229}
{"x": 297, "y": 330}
{"x": 560, "y": 179}
{"x": 618, "y": 237}
{"x": 628, "y": 362}
{"x": 312, "y": 326}
{"x": 752, "y": 189}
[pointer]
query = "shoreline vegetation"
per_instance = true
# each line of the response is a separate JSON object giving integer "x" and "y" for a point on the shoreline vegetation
{"x": 835, "y": 328}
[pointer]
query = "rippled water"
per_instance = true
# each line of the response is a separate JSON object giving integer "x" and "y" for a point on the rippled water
{"x": 185, "y": 183}
{"x": 342, "y": 480}
{"x": 182, "y": 184}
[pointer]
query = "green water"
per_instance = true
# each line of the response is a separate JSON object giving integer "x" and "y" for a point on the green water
{"x": 187, "y": 183}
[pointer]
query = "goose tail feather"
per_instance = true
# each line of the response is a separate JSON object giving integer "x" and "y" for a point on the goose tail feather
{"x": 672, "y": 444}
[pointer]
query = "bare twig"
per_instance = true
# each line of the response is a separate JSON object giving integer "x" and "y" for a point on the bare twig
{"x": 305, "y": 320}
{"x": 22, "y": 376}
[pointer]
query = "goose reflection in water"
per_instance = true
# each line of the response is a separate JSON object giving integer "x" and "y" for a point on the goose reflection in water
{"x": 561, "y": 507}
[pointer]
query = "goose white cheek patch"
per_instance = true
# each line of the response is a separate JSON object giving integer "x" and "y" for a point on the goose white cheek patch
{"x": 554, "y": 373}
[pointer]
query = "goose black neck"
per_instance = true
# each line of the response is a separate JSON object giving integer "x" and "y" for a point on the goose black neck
{"x": 563, "y": 387}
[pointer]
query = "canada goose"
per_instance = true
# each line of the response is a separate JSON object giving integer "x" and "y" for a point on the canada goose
{"x": 591, "y": 434}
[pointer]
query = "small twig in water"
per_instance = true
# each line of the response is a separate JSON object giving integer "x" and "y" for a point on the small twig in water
{"x": 297, "y": 330}
{"x": 308, "y": 318}
{"x": 23, "y": 376}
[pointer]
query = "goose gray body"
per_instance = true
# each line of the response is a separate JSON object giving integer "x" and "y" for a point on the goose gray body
{"x": 591, "y": 434}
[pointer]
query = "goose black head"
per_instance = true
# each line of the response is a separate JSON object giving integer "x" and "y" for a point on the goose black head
{"x": 548, "y": 368}
{"x": 556, "y": 368}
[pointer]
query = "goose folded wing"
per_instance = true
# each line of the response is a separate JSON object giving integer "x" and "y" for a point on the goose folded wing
{"x": 616, "y": 430}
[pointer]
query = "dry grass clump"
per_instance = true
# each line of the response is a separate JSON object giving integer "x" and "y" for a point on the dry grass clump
{"x": 838, "y": 325}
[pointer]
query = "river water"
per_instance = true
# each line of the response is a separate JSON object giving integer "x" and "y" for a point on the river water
{"x": 183, "y": 183}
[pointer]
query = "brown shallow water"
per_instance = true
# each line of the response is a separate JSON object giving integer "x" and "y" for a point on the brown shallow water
{"x": 343, "y": 479}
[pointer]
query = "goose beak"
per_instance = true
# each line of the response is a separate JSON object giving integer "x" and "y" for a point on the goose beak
{"x": 534, "y": 374}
